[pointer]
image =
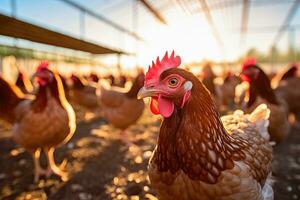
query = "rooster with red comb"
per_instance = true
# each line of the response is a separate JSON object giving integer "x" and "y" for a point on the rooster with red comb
{"x": 198, "y": 154}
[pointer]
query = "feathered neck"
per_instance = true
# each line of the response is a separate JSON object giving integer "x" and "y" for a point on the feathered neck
{"x": 136, "y": 86}
{"x": 194, "y": 140}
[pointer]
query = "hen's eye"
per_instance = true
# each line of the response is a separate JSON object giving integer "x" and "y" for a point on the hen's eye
{"x": 173, "y": 82}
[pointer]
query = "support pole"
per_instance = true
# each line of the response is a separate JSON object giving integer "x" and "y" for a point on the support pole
{"x": 82, "y": 24}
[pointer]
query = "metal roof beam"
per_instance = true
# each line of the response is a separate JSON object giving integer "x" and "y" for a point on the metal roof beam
{"x": 287, "y": 21}
{"x": 102, "y": 18}
{"x": 244, "y": 21}
{"x": 16, "y": 28}
{"x": 227, "y": 4}
{"x": 156, "y": 14}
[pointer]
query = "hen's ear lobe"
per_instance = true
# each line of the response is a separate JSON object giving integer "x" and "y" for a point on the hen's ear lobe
{"x": 188, "y": 85}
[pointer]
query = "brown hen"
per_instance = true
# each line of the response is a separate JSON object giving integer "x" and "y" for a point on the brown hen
{"x": 44, "y": 122}
{"x": 122, "y": 109}
{"x": 83, "y": 93}
{"x": 260, "y": 91}
{"x": 227, "y": 91}
{"x": 198, "y": 156}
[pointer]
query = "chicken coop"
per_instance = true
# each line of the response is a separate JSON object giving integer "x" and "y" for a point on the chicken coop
{"x": 150, "y": 100}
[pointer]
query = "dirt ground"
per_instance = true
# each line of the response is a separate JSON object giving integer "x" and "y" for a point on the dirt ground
{"x": 101, "y": 167}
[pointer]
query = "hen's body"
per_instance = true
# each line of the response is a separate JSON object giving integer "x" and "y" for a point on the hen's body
{"x": 279, "y": 126}
{"x": 244, "y": 181}
{"x": 234, "y": 184}
{"x": 122, "y": 109}
{"x": 123, "y": 112}
{"x": 85, "y": 97}
{"x": 47, "y": 128}
{"x": 83, "y": 94}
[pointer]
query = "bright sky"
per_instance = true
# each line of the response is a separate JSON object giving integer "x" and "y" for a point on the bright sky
{"x": 187, "y": 32}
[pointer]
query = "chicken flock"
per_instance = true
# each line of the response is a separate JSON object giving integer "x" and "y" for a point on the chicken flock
{"x": 215, "y": 141}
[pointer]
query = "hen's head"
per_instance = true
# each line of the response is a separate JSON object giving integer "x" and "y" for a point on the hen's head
{"x": 43, "y": 74}
{"x": 250, "y": 72}
{"x": 167, "y": 85}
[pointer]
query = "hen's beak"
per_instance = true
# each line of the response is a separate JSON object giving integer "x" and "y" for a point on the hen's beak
{"x": 143, "y": 93}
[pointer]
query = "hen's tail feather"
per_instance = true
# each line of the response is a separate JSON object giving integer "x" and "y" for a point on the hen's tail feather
{"x": 260, "y": 116}
{"x": 260, "y": 113}
{"x": 267, "y": 190}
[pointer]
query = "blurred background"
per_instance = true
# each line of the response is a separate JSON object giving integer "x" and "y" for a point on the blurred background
{"x": 134, "y": 32}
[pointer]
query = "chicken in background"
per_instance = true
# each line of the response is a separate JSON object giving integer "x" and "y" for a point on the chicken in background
{"x": 208, "y": 79}
{"x": 24, "y": 83}
{"x": 122, "y": 81}
{"x": 83, "y": 93}
{"x": 241, "y": 94}
{"x": 10, "y": 97}
{"x": 287, "y": 90}
{"x": 198, "y": 155}
{"x": 291, "y": 73}
{"x": 111, "y": 79}
{"x": 122, "y": 109}
{"x": 285, "y": 75}
{"x": 94, "y": 78}
{"x": 260, "y": 91}
{"x": 40, "y": 123}
{"x": 227, "y": 91}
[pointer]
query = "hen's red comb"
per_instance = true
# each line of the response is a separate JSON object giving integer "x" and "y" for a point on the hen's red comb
{"x": 43, "y": 65}
{"x": 248, "y": 62}
{"x": 157, "y": 68}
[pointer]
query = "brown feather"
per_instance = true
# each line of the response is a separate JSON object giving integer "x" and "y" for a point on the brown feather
{"x": 122, "y": 109}
{"x": 10, "y": 97}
